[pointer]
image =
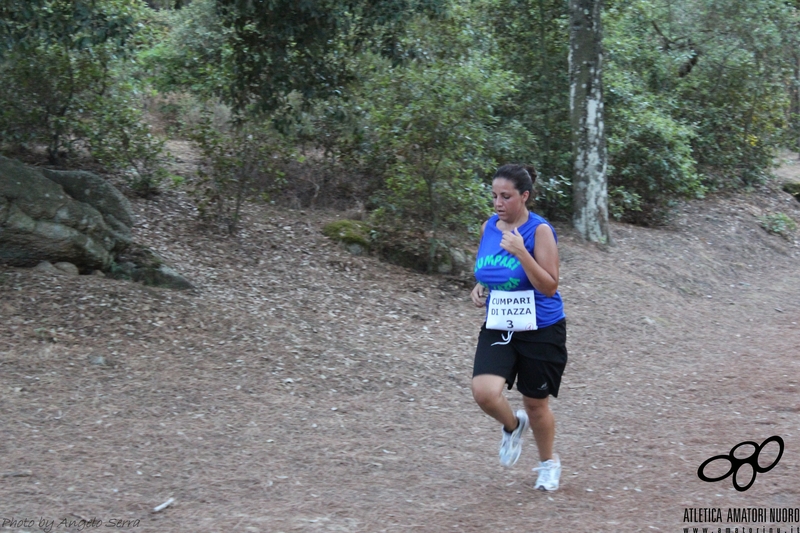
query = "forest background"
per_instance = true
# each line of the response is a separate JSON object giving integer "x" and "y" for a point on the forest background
{"x": 399, "y": 110}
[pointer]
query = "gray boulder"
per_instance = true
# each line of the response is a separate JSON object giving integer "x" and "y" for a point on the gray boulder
{"x": 93, "y": 190}
{"x": 462, "y": 261}
{"x": 67, "y": 268}
{"x": 141, "y": 264}
{"x": 75, "y": 219}
{"x": 47, "y": 267}
{"x": 59, "y": 268}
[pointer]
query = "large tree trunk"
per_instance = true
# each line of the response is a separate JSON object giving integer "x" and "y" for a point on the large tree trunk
{"x": 589, "y": 185}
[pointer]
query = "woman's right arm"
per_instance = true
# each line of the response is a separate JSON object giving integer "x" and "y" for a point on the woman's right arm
{"x": 478, "y": 293}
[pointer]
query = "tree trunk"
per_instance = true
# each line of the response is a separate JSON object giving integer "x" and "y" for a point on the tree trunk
{"x": 546, "y": 94}
{"x": 431, "y": 182}
{"x": 589, "y": 184}
{"x": 794, "y": 113}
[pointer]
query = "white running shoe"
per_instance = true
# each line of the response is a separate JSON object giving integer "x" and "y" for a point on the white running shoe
{"x": 511, "y": 445}
{"x": 549, "y": 474}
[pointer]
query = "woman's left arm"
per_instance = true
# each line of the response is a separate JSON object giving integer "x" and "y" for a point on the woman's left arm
{"x": 541, "y": 267}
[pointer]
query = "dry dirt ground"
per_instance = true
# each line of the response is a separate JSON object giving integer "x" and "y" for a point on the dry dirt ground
{"x": 300, "y": 388}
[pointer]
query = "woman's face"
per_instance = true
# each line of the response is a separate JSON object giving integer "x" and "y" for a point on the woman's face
{"x": 508, "y": 202}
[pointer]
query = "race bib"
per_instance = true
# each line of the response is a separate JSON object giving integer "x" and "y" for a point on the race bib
{"x": 511, "y": 311}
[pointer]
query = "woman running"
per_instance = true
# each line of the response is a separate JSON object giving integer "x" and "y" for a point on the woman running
{"x": 524, "y": 336}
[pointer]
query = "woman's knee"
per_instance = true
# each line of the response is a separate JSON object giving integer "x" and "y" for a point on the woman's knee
{"x": 487, "y": 389}
{"x": 536, "y": 407}
{"x": 483, "y": 396}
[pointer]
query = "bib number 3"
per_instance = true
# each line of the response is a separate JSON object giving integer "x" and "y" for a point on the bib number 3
{"x": 511, "y": 311}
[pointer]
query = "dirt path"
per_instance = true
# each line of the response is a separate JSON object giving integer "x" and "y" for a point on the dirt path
{"x": 304, "y": 389}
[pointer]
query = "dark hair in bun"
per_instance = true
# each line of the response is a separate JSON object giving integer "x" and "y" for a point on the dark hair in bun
{"x": 523, "y": 177}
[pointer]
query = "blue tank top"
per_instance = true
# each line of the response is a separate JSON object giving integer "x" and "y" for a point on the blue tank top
{"x": 498, "y": 269}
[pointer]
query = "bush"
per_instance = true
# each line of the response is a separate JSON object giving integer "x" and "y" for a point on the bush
{"x": 431, "y": 125}
{"x": 194, "y": 54}
{"x": 651, "y": 161}
{"x": 63, "y": 88}
{"x": 696, "y": 98}
{"x": 650, "y": 155}
{"x": 553, "y": 197}
{"x": 623, "y": 203}
{"x": 532, "y": 38}
{"x": 121, "y": 140}
{"x": 779, "y": 224}
{"x": 242, "y": 161}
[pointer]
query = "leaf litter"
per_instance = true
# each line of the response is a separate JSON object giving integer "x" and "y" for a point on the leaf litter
{"x": 302, "y": 388}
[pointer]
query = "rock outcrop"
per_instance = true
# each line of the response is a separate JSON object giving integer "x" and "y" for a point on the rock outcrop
{"x": 93, "y": 190}
{"x": 41, "y": 220}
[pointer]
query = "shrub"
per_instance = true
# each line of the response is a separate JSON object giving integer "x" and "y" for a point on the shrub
{"x": 242, "y": 161}
{"x": 68, "y": 85}
{"x": 121, "y": 140}
{"x": 622, "y": 203}
{"x": 779, "y": 224}
{"x": 553, "y": 196}
{"x": 431, "y": 125}
{"x": 650, "y": 155}
{"x": 194, "y": 55}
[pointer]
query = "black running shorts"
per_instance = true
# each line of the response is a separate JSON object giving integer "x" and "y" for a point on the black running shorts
{"x": 534, "y": 359}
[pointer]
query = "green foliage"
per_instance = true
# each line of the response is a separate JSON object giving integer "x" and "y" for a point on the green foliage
{"x": 27, "y": 25}
{"x": 432, "y": 124}
{"x": 405, "y": 105}
{"x": 695, "y": 98}
{"x": 532, "y": 40}
{"x": 719, "y": 67}
{"x": 194, "y": 55}
{"x": 739, "y": 119}
{"x": 779, "y": 224}
{"x": 623, "y": 203}
{"x": 738, "y": 93}
{"x": 62, "y": 69}
{"x": 650, "y": 151}
{"x": 241, "y": 162}
{"x": 285, "y": 46}
{"x": 167, "y": 4}
{"x": 650, "y": 155}
{"x": 553, "y": 196}
{"x": 419, "y": 136}
{"x": 120, "y": 139}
